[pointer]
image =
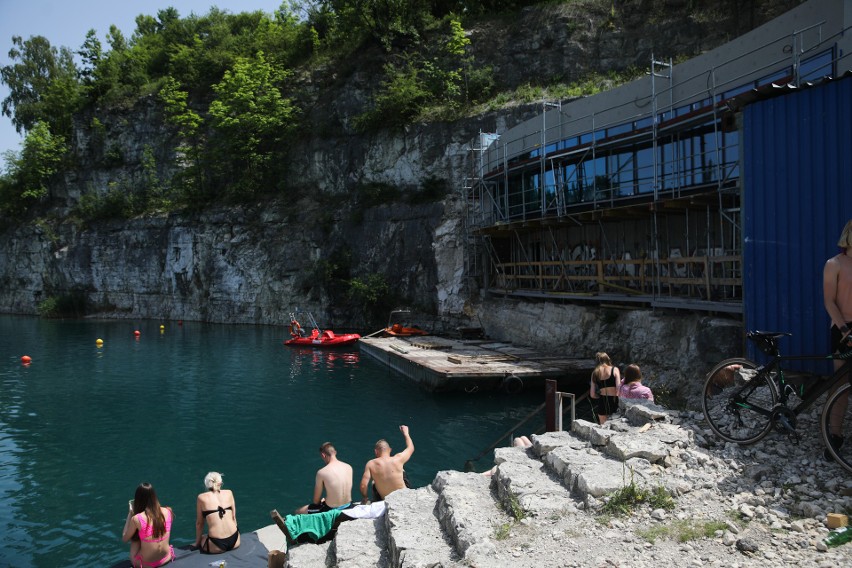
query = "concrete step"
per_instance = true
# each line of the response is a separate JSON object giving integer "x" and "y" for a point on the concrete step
{"x": 584, "y": 470}
{"x": 522, "y": 481}
{"x": 561, "y": 473}
{"x": 593, "y": 460}
{"x": 361, "y": 543}
{"x": 415, "y": 538}
{"x": 470, "y": 516}
{"x": 310, "y": 556}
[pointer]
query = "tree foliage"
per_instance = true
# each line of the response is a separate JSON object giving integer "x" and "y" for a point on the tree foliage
{"x": 27, "y": 175}
{"x": 251, "y": 116}
{"x": 42, "y": 83}
{"x": 441, "y": 74}
{"x": 223, "y": 82}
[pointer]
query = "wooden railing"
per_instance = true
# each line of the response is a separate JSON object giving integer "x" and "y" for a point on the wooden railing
{"x": 704, "y": 277}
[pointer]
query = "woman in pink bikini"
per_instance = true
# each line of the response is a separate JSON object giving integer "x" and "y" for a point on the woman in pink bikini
{"x": 148, "y": 526}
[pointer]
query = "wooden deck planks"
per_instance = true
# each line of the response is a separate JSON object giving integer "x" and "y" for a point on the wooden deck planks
{"x": 443, "y": 364}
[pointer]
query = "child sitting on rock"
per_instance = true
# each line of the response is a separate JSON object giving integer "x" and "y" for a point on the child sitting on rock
{"x": 632, "y": 386}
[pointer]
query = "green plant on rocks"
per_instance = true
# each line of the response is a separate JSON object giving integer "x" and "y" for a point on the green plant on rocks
{"x": 683, "y": 530}
{"x": 502, "y": 531}
{"x": 661, "y": 499}
{"x": 515, "y": 509}
{"x": 626, "y": 499}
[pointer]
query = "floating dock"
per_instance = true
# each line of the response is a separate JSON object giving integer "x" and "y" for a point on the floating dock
{"x": 440, "y": 364}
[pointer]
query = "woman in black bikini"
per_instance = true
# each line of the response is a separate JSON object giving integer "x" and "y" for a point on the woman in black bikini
{"x": 217, "y": 508}
{"x": 603, "y": 389}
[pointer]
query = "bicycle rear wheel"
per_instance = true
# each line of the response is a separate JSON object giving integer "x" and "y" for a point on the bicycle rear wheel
{"x": 738, "y": 401}
{"x": 836, "y": 426}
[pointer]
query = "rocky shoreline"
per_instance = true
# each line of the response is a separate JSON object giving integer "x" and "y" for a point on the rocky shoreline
{"x": 547, "y": 505}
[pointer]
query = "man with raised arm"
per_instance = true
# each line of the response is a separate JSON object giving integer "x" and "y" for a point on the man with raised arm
{"x": 837, "y": 296}
{"x": 386, "y": 470}
{"x": 335, "y": 479}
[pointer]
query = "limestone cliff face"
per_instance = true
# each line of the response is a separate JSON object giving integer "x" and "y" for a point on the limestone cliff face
{"x": 249, "y": 265}
{"x": 255, "y": 264}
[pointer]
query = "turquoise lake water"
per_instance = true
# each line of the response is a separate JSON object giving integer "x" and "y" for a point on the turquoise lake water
{"x": 81, "y": 426}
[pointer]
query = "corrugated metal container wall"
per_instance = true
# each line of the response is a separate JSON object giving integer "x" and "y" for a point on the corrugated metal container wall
{"x": 797, "y": 167}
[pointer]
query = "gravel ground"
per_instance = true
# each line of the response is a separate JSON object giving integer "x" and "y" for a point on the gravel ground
{"x": 762, "y": 505}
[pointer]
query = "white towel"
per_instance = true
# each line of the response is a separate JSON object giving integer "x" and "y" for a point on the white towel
{"x": 371, "y": 511}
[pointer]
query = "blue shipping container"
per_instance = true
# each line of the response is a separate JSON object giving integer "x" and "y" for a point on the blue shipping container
{"x": 797, "y": 196}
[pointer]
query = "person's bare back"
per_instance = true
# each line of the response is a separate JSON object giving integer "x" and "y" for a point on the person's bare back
{"x": 385, "y": 470}
{"x": 335, "y": 479}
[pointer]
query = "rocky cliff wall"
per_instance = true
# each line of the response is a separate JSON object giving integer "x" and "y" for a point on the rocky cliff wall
{"x": 254, "y": 264}
{"x": 235, "y": 265}
{"x": 673, "y": 349}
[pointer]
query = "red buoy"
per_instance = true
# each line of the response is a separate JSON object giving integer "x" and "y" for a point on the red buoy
{"x": 26, "y": 359}
{"x": 136, "y": 333}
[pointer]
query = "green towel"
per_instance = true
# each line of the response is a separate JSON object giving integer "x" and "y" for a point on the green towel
{"x": 310, "y": 528}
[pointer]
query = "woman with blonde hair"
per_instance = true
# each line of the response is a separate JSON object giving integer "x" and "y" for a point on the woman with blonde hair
{"x": 604, "y": 386}
{"x": 217, "y": 508}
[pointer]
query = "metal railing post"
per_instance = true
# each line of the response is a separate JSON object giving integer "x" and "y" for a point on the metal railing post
{"x": 563, "y": 395}
{"x": 551, "y": 401}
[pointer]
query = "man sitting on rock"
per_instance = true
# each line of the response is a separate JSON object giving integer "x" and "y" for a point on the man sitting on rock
{"x": 335, "y": 478}
{"x": 386, "y": 470}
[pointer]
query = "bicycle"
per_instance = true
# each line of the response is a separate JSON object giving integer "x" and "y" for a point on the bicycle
{"x": 743, "y": 401}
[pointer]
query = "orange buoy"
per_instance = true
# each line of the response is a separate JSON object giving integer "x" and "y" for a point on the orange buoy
{"x": 180, "y": 322}
{"x": 136, "y": 333}
{"x": 26, "y": 359}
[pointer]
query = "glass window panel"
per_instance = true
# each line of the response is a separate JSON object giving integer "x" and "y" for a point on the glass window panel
{"x": 620, "y": 129}
{"x": 817, "y": 67}
{"x": 777, "y": 77}
{"x": 732, "y": 154}
{"x": 667, "y": 165}
{"x": 645, "y": 170}
{"x": 643, "y": 123}
{"x": 737, "y": 91}
{"x": 709, "y": 158}
{"x": 573, "y": 185}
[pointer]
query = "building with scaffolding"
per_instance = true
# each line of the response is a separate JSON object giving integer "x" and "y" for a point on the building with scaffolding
{"x": 635, "y": 196}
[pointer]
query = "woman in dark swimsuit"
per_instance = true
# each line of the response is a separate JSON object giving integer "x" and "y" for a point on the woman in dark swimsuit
{"x": 604, "y": 386}
{"x": 217, "y": 508}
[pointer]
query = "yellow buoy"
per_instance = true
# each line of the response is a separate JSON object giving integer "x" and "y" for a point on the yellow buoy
{"x": 99, "y": 342}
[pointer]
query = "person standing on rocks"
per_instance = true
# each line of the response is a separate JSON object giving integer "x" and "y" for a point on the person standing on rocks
{"x": 837, "y": 297}
{"x": 385, "y": 470}
{"x": 632, "y": 386}
{"x": 335, "y": 479}
{"x": 604, "y": 386}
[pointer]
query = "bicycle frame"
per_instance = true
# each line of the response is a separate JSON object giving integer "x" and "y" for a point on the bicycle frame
{"x": 824, "y": 386}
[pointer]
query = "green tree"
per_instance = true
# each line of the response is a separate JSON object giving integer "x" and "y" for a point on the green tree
{"x": 121, "y": 73}
{"x": 91, "y": 53}
{"x": 43, "y": 85}
{"x": 401, "y": 97}
{"x": 391, "y": 24}
{"x": 188, "y": 123}
{"x": 251, "y": 116}
{"x": 28, "y": 174}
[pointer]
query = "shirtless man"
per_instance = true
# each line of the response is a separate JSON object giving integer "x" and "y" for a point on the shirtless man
{"x": 837, "y": 296}
{"x": 335, "y": 478}
{"x": 386, "y": 470}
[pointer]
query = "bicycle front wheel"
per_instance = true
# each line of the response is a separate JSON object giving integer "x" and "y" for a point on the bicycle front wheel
{"x": 836, "y": 426}
{"x": 738, "y": 401}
